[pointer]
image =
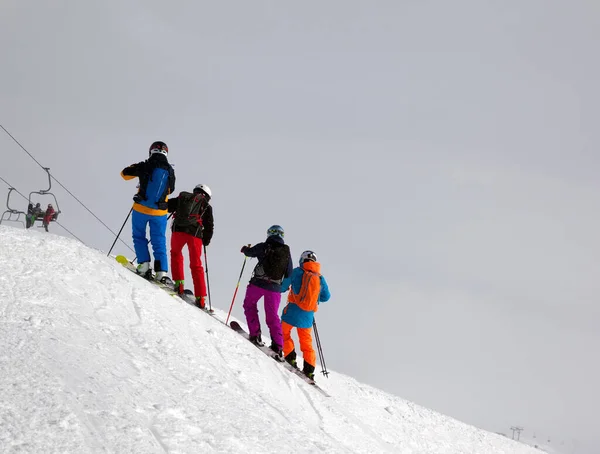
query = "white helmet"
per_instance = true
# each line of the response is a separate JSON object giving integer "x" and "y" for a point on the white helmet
{"x": 308, "y": 256}
{"x": 203, "y": 188}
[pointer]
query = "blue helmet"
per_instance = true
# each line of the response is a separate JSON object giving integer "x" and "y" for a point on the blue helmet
{"x": 275, "y": 230}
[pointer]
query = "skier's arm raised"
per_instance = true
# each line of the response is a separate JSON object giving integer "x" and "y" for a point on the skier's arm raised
{"x": 258, "y": 250}
{"x": 133, "y": 171}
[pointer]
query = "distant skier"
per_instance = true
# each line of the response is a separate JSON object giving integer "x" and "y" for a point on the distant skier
{"x": 274, "y": 264}
{"x": 157, "y": 181}
{"x": 192, "y": 226}
{"x": 29, "y": 217}
{"x": 308, "y": 289}
{"x": 48, "y": 216}
{"x": 32, "y": 214}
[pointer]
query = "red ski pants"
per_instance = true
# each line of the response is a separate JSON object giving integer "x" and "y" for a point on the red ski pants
{"x": 194, "y": 244}
{"x": 305, "y": 337}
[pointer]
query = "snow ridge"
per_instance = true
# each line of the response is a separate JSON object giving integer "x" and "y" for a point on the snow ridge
{"x": 95, "y": 360}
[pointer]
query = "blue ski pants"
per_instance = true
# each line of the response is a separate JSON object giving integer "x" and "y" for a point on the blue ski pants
{"x": 158, "y": 239}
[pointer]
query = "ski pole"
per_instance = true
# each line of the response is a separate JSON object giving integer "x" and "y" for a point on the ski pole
{"x": 236, "y": 289}
{"x": 207, "y": 280}
{"x": 324, "y": 370}
{"x": 118, "y": 234}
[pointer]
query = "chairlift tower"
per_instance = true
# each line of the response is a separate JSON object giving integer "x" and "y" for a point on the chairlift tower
{"x": 518, "y": 430}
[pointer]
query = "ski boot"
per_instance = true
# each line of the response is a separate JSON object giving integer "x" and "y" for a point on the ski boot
{"x": 291, "y": 359}
{"x": 161, "y": 276}
{"x": 278, "y": 351}
{"x": 143, "y": 269}
{"x": 200, "y": 302}
{"x": 179, "y": 287}
{"x": 257, "y": 340}
{"x": 309, "y": 370}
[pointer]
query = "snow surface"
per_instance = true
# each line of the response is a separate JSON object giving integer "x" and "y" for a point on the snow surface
{"x": 94, "y": 359}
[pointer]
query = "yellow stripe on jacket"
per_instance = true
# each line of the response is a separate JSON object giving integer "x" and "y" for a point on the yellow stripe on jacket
{"x": 143, "y": 209}
{"x": 149, "y": 211}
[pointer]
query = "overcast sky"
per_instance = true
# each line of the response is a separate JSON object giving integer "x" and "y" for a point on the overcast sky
{"x": 439, "y": 157}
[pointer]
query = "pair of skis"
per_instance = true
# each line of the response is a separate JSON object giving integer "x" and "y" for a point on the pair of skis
{"x": 189, "y": 298}
{"x": 267, "y": 351}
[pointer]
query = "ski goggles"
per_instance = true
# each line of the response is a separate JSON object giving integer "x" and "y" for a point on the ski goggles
{"x": 275, "y": 232}
{"x": 162, "y": 150}
{"x": 159, "y": 147}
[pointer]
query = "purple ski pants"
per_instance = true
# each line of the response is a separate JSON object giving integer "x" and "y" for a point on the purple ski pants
{"x": 272, "y": 301}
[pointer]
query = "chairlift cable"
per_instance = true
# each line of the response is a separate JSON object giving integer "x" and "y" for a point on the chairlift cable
{"x": 69, "y": 192}
{"x": 19, "y": 192}
{"x": 11, "y": 186}
{"x": 72, "y": 234}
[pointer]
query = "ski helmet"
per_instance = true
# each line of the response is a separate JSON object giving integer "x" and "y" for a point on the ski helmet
{"x": 159, "y": 147}
{"x": 275, "y": 230}
{"x": 308, "y": 256}
{"x": 202, "y": 188}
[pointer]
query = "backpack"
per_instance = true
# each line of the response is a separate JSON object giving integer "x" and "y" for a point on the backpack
{"x": 190, "y": 208}
{"x": 275, "y": 262}
{"x": 307, "y": 298}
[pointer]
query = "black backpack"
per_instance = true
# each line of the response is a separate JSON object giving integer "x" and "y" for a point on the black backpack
{"x": 275, "y": 262}
{"x": 190, "y": 208}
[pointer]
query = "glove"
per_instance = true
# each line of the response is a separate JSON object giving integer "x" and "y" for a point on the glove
{"x": 244, "y": 249}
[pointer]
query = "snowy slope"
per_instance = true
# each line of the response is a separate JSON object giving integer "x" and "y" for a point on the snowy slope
{"x": 94, "y": 359}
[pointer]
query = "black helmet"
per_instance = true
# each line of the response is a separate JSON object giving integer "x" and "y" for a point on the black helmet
{"x": 158, "y": 147}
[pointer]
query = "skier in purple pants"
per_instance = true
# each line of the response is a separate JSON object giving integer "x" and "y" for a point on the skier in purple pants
{"x": 274, "y": 264}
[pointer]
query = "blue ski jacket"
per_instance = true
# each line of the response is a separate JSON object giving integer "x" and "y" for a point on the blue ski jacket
{"x": 292, "y": 314}
{"x": 157, "y": 181}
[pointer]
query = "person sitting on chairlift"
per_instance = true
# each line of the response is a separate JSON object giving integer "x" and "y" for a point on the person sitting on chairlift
{"x": 33, "y": 213}
{"x": 50, "y": 215}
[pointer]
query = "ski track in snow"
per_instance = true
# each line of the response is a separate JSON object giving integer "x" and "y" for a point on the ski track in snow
{"x": 99, "y": 361}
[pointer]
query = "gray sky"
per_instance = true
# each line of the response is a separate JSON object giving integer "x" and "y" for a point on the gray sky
{"x": 438, "y": 156}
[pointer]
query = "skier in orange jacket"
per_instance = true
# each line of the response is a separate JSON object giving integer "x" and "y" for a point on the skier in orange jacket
{"x": 308, "y": 288}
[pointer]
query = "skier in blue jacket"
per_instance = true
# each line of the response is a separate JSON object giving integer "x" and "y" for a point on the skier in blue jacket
{"x": 157, "y": 181}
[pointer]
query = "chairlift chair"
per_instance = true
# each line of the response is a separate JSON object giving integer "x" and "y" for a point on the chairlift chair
{"x": 45, "y": 192}
{"x": 11, "y": 212}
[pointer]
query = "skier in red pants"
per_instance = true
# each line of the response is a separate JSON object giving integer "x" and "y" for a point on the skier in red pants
{"x": 192, "y": 226}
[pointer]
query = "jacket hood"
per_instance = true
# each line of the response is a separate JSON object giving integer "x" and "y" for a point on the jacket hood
{"x": 315, "y": 267}
{"x": 275, "y": 239}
